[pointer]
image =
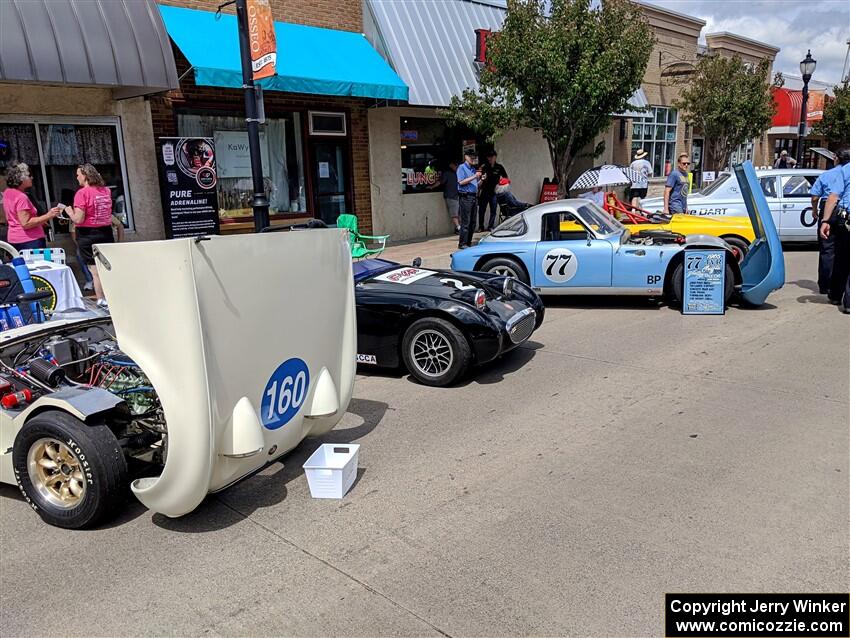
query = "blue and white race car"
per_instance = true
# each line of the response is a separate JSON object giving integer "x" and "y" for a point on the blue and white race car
{"x": 786, "y": 190}
{"x": 572, "y": 246}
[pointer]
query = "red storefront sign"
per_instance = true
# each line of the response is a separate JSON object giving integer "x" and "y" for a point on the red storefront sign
{"x": 481, "y": 36}
{"x": 549, "y": 193}
{"x": 789, "y": 103}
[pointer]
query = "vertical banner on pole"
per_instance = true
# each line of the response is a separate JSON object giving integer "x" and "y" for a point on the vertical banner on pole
{"x": 262, "y": 39}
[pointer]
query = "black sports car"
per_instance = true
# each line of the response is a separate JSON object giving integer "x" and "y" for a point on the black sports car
{"x": 438, "y": 322}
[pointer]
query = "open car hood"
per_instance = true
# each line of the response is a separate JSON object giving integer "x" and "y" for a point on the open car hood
{"x": 249, "y": 342}
{"x": 763, "y": 269}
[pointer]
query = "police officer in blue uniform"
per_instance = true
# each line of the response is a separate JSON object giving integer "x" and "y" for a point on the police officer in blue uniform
{"x": 836, "y": 224}
{"x": 826, "y": 247}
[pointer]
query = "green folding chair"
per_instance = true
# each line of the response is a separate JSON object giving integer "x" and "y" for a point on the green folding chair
{"x": 360, "y": 247}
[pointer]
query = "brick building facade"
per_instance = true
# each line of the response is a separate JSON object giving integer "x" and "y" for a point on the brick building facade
{"x": 661, "y": 131}
{"x": 341, "y": 15}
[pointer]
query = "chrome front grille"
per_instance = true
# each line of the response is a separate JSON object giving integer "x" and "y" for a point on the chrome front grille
{"x": 521, "y": 325}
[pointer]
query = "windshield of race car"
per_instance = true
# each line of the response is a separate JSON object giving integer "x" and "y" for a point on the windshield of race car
{"x": 597, "y": 219}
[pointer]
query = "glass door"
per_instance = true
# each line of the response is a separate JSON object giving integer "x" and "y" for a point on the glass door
{"x": 331, "y": 191}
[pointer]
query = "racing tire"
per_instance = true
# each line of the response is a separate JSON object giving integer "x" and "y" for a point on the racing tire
{"x": 506, "y": 266}
{"x": 435, "y": 352}
{"x": 740, "y": 246}
{"x": 678, "y": 285}
{"x": 72, "y": 474}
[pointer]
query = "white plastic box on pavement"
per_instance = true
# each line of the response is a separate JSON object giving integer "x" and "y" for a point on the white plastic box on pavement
{"x": 331, "y": 469}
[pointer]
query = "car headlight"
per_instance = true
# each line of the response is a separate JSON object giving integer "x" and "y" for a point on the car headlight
{"x": 480, "y": 299}
{"x": 508, "y": 286}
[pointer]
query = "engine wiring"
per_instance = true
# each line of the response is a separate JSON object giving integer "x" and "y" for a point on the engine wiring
{"x": 86, "y": 362}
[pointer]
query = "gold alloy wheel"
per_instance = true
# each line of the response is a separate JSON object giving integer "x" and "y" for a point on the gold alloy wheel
{"x": 55, "y": 472}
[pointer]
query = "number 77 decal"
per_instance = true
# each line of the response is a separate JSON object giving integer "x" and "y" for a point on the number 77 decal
{"x": 559, "y": 265}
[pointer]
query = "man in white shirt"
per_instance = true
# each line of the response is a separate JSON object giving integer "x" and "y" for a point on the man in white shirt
{"x": 643, "y": 168}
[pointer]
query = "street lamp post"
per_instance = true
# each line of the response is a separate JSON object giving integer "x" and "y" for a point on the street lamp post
{"x": 807, "y": 68}
{"x": 253, "y": 107}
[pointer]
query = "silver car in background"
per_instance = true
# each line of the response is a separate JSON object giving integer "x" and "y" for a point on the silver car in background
{"x": 786, "y": 191}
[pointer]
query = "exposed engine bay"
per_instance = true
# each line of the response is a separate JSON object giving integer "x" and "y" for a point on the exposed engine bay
{"x": 652, "y": 237}
{"x": 86, "y": 357}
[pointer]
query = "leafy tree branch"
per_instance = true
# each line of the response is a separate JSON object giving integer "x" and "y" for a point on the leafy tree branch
{"x": 564, "y": 74}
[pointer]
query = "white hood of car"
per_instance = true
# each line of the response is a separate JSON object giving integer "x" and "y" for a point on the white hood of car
{"x": 248, "y": 340}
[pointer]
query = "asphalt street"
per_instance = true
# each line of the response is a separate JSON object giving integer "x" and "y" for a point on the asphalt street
{"x": 624, "y": 452}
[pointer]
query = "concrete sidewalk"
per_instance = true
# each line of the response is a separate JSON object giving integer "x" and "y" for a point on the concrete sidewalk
{"x": 435, "y": 251}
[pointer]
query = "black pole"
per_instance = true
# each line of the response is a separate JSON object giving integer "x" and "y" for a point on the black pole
{"x": 260, "y": 202}
{"x": 801, "y": 134}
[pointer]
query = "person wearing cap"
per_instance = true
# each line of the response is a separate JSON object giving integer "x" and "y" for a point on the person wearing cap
{"x": 784, "y": 161}
{"x": 507, "y": 201}
{"x": 642, "y": 167}
{"x": 836, "y": 224}
{"x": 468, "y": 180}
{"x": 493, "y": 171}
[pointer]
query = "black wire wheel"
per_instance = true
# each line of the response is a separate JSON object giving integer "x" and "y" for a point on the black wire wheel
{"x": 435, "y": 352}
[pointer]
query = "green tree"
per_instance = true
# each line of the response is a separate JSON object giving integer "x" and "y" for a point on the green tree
{"x": 562, "y": 74}
{"x": 835, "y": 125}
{"x": 729, "y": 102}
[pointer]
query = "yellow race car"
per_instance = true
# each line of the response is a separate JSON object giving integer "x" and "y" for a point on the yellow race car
{"x": 736, "y": 231}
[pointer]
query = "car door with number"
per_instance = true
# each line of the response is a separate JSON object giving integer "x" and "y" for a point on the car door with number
{"x": 797, "y": 220}
{"x": 570, "y": 258}
{"x": 771, "y": 189}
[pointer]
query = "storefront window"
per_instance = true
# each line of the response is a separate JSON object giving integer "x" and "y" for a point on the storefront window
{"x": 741, "y": 154}
{"x": 427, "y": 147}
{"x": 54, "y": 149}
{"x": 656, "y": 134}
{"x": 281, "y": 151}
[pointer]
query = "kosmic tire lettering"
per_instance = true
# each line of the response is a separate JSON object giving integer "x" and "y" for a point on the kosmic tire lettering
{"x": 29, "y": 501}
{"x": 76, "y": 449}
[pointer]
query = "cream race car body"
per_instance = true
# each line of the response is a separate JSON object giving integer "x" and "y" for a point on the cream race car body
{"x": 210, "y": 322}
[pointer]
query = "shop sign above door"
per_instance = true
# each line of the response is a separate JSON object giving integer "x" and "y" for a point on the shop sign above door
{"x": 234, "y": 159}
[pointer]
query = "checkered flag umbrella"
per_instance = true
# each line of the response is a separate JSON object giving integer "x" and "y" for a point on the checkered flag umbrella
{"x": 605, "y": 175}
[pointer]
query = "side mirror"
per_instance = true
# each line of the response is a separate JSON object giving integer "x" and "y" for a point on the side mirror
{"x": 589, "y": 237}
{"x": 417, "y": 262}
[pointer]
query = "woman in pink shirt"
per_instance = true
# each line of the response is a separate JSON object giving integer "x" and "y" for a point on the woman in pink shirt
{"x": 92, "y": 217}
{"x": 26, "y": 226}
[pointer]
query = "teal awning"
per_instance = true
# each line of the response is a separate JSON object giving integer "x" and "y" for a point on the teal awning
{"x": 309, "y": 59}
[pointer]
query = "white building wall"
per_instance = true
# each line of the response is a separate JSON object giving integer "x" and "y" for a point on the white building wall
{"x": 524, "y": 154}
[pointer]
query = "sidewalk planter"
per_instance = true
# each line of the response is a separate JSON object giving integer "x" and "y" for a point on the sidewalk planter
{"x": 331, "y": 470}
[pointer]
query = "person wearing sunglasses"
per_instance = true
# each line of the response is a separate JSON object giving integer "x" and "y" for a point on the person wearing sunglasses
{"x": 677, "y": 186}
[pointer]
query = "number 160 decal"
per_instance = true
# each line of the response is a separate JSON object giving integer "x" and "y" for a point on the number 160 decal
{"x": 285, "y": 393}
